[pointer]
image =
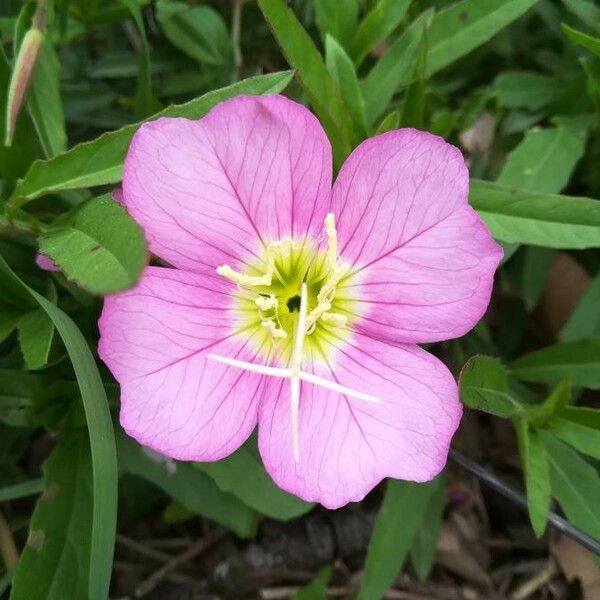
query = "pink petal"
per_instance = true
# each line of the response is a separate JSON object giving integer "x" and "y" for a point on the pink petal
{"x": 46, "y": 263}
{"x": 154, "y": 339}
{"x": 424, "y": 260}
{"x": 117, "y": 195}
{"x": 208, "y": 192}
{"x": 347, "y": 446}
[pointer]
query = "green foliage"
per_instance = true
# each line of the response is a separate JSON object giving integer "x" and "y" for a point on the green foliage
{"x": 316, "y": 589}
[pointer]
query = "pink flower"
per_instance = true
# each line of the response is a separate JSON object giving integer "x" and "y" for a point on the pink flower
{"x": 293, "y": 305}
{"x": 46, "y": 263}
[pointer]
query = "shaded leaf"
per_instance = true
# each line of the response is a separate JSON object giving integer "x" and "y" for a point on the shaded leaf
{"x": 522, "y": 89}
{"x": 317, "y": 588}
{"x": 583, "y": 39}
{"x": 339, "y": 22}
{"x": 584, "y": 321}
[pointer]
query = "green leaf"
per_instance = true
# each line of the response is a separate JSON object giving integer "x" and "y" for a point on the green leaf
{"x": 536, "y": 265}
{"x": 400, "y": 517}
{"x": 302, "y": 54}
{"x": 575, "y": 484}
{"x": 423, "y": 550}
{"x": 522, "y": 89}
{"x": 465, "y": 25}
{"x": 342, "y": 70}
{"x": 243, "y": 475}
{"x": 9, "y": 317}
{"x": 188, "y": 486}
{"x": 545, "y": 159}
{"x": 388, "y": 123}
{"x": 104, "y": 460}
{"x": 589, "y": 417}
{"x": 393, "y": 70}
{"x": 587, "y": 11}
{"x": 536, "y": 470}
{"x": 380, "y": 22}
{"x": 33, "y": 487}
{"x": 55, "y": 562}
{"x": 483, "y": 385}
{"x": 44, "y": 102}
{"x": 583, "y": 39}
{"x": 19, "y": 393}
{"x": 555, "y": 403}
{"x": 102, "y": 249}
{"x": 199, "y": 31}
{"x": 317, "y": 588}
{"x": 145, "y": 103}
{"x": 577, "y": 361}
{"x": 582, "y": 436}
{"x": 100, "y": 161}
{"x": 36, "y": 331}
{"x": 548, "y": 220}
{"x": 584, "y": 321}
{"x": 336, "y": 21}
{"x": 413, "y": 107}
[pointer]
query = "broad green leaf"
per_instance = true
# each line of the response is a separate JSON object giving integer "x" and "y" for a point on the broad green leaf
{"x": 575, "y": 484}
{"x": 243, "y": 475}
{"x": 467, "y": 24}
{"x": 104, "y": 460}
{"x": 483, "y": 385}
{"x": 32, "y": 487}
{"x": 335, "y": 20}
{"x": 302, "y": 54}
{"x": 36, "y": 331}
{"x": 102, "y": 249}
{"x": 522, "y": 89}
{"x": 548, "y": 220}
{"x": 55, "y": 562}
{"x": 199, "y": 31}
{"x": 45, "y": 104}
{"x": 536, "y": 470}
{"x": 380, "y": 22}
{"x": 423, "y": 550}
{"x": 9, "y": 317}
{"x": 578, "y": 361}
{"x": 584, "y": 321}
{"x": 545, "y": 159}
{"x": 144, "y": 100}
{"x": 100, "y": 161}
{"x": 587, "y": 11}
{"x": 583, "y": 39}
{"x": 583, "y": 437}
{"x": 394, "y": 69}
{"x": 413, "y": 107}
{"x": 317, "y": 588}
{"x": 188, "y": 486}
{"x": 19, "y": 393}
{"x": 400, "y": 517}
{"x": 342, "y": 70}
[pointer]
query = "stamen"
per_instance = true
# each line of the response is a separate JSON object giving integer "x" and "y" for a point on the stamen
{"x": 335, "y": 319}
{"x": 274, "y": 331}
{"x": 248, "y": 366}
{"x": 296, "y": 365}
{"x": 267, "y": 303}
{"x": 336, "y": 387}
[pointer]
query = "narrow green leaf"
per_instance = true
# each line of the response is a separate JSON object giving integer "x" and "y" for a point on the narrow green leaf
{"x": 578, "y": 361}
{"x": 33, "y": 487}
{"x": 55, "y": 563}
{"x": 199, "y": 31}
{"x": 302, "y": 54}
{"x": 335, "y": 20}
{"x": 548, "y": 220}
{"x": 583, "y": 39}
{"x": 536, "y": 470}
{"x": 145, "y": 104}
{"x": 467, "y": 24}
{"x": 423, "y": 550}
{"x": 36, "y": 331}
{"x": 575, "y": 484}
{"x": 317, "y": 588}
{"x": 342, "y": 70}
{"x": 583, "y": 437}
{"x": 554, "y": 404}
{"x": 399, "y": 518}
{"x": 589, "y": 417}
{"x": 188, "y": 486}
{"x": 380, "y": 22}
{"x": 483, "y": 385}
{"x": 535, "y": 267}
{"x": 587, "y": 11}
{"x": 413, "y": 107}
{"x": 102, "y": 249}
{"x": 584, "y": 321}
{"x": 100, "y": 161}
{"x": 393, "y": 70}
{"x": 104, "y": 460}
{"x": 522, "y": 89}
{"x": 389, "y": 122}
{"x": 546, "y": 158}
{"x": 243, "y": 475}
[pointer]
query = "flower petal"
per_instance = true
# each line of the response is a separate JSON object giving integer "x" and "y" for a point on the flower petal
{"x": 346, "y": 446}
{"x": 208, "y": 192}
{"x": 154, "y": 339}
{"x": 424, "y": 261}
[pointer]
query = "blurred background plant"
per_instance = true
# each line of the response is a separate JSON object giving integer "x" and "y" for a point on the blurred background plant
{"x": 514, "y": 83}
